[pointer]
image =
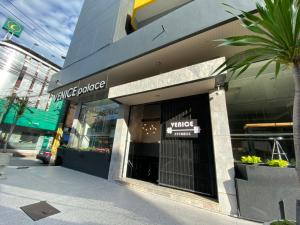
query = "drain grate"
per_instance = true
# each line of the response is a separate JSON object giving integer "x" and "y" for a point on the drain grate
{"x": 39, "y": 210}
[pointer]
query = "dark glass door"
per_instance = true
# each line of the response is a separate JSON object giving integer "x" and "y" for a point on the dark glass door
{"x": 187, "y": 163}
{"x": 144, "y": 144}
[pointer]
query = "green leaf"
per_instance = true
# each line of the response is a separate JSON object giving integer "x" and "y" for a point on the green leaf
{"x": 263, "y": 68}
{"x": 243, "y": 58}
{"x": 249, "y": 40}
{"x": 243, "y": 70}
{"x": 277, "y": 69}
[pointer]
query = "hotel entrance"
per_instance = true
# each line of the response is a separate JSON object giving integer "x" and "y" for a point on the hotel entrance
{"x": 171, "y": 145}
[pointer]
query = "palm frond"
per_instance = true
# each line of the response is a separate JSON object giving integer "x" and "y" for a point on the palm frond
{"x": 275, "y": 37}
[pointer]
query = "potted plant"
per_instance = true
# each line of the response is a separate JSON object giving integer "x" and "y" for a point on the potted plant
{"x": 278, "y": 163}
{"x": 246, "y": 161}
{"x": 262, "y": 187}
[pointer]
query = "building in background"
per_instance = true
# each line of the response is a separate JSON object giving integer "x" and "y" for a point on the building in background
{"x": 27, "y": 74}
{"x": 141, "y": 79}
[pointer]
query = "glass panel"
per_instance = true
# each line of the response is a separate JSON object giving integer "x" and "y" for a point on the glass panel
{"x": 144, "y": 145}
{"x": 145, "y": 124}
{"x": 260, "y": 110}
{"x": 97, "y": 125}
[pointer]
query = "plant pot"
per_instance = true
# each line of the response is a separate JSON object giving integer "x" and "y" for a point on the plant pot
{"x": 91, "y": 162}
{"x": 4, "y": 161}
{"x": 261, "y": 191}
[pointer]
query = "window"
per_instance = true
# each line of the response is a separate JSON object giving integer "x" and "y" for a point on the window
{"x": 97, "y": 122}
{"x": 260, "y": 112}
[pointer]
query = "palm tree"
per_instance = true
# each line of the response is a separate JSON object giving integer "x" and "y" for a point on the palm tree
{"x": 20, "y": 105}
{"x": 275, "y": 39}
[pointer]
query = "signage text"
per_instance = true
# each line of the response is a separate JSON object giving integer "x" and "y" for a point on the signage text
{"x": 182, "y": 129}
{"x": 76, "y": 91}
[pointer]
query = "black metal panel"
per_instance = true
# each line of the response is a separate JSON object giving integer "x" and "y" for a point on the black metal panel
{"x": 94, "y": 163}
{"x": 188, "y": 163}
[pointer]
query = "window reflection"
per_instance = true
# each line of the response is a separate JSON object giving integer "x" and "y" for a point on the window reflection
{"x": 97, "y": 125}
{"x": 259, "y": 110}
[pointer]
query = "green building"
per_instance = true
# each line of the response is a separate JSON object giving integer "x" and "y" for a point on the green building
{"x": 26, "y": 73}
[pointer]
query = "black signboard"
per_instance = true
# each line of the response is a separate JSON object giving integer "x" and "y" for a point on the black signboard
{"x": 182, "y": 129}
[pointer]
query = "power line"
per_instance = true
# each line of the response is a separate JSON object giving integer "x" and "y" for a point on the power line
{"x": 33, "y": 22}
{"x": 34, "y": 39}
{"x": 30, "y": 35}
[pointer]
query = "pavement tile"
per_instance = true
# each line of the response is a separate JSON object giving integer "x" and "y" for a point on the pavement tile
{"x": 89, "y": 200}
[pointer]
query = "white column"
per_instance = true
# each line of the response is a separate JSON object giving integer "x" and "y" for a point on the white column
{"x": 73, "y": 140}
{"x": 120, "y": 149}
{"x": 224, "y": 161}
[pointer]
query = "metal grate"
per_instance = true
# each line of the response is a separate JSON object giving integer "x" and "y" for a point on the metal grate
{"x": 188, "y": 164}
{"x": 39, "y": 210}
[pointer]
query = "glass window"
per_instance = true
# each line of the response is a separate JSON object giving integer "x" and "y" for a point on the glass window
{"x": 260, "y": 114}
{"x": 97, "y": 125}
{"x": 145, "y": 123}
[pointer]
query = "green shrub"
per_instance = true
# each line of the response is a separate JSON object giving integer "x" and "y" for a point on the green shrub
{"x": 285, "y": 222}
{"x": 278, "y": 163}
{"x": 250, "y": 159}
{"x": 87, "y": 149}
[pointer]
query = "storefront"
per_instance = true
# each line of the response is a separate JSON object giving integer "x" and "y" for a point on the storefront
{"x": 169, "y": 132}
{"x": 171, "y": 144}
{"x": 149, "y": 103}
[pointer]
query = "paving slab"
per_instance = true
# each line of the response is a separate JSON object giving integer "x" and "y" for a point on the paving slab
{"x": 89, "y": 200}
{"x": 25, "y": 161}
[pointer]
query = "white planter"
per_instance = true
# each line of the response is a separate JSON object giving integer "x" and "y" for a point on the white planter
{"x": 4, "y": 161}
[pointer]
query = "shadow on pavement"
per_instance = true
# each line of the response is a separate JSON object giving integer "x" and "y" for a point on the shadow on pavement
{"x": 74, "y": 191}
{"x": 25, "y": 161}
{"x": 82, "y": 197}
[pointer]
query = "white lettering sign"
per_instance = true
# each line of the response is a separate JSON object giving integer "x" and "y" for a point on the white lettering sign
{"x": 183, "y": 128}
{"x": 76, "y": 91}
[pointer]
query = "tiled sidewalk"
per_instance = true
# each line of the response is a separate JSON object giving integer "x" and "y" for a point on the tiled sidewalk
{"x": 89, "y": 200}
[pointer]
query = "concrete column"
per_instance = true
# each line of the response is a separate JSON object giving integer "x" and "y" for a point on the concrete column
{"x": 119, "y": 157}
{"x": 224, "y": 161}
{"x": 73, "y": 140}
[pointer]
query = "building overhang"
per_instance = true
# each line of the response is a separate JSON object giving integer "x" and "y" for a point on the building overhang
{"x": 191, "y": 80}
{"x": 159, "y": 47}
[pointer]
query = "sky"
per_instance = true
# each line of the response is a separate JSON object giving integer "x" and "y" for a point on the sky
{"x": 48, "y": 24}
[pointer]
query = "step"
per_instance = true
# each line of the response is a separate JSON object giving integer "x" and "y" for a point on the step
{"x": 173, "y": 194}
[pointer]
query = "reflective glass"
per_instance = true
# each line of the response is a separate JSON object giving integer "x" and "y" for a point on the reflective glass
{"x": 97, "y": 125}
{"x": 260, "y": 114}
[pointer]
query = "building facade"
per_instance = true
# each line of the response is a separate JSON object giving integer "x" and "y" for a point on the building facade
{"x": 143, "y": 80}
{"x": 27, "y": 74}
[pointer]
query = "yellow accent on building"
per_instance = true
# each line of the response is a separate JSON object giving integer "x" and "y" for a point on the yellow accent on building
{"x": 56, "y": 142}
{"x": 138, "y": 4}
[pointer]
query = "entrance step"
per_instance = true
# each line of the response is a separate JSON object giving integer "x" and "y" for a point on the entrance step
{"x": 173, "y": 194}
